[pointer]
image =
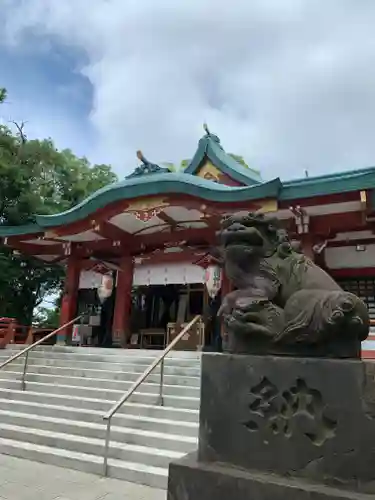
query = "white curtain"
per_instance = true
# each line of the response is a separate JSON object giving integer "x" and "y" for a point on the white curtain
{"x": 89, "y": 279}
{"x": 161, "y": 274}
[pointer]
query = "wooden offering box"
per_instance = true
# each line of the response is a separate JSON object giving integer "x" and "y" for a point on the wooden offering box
{"x": 193, "y": 340}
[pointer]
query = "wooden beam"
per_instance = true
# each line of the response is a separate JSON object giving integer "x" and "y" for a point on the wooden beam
{"x": 9, "y": 240}
{"x": 167, "y": 219}
{"x": 33, "y": 249}
{"x": 57, "y": 260}
{"x": 325, "y": 226}
{"x": 351, "y": 243}
{"x": 111, "y": 232}
{"x": 188, "y": 255}
{"x": 116, "y": 247}
{"x": 321, "y": 200}
{"x": 358, "y": 272}
{"x": 156, "y": 240}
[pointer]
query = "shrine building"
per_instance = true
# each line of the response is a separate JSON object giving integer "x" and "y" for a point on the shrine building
{"x": 151, "y": 236}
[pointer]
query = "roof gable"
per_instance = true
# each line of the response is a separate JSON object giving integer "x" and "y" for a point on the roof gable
{"x": 209, "y": 148}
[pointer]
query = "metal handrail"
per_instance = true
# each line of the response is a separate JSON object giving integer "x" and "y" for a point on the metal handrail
{"x": 160, "y": 360}
{"x": 30, "y": 347}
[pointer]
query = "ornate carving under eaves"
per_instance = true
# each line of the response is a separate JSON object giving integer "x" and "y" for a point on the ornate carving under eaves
{"x": 147, "y": 168}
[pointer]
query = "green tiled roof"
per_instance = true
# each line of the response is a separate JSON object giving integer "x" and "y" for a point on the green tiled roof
{"x": 210, "y": 147}
{"x": 147, "y": 185}
{"x": 158, "y": 183}
{"x": 19, "y": 230}
{"x": 342, "y": 182}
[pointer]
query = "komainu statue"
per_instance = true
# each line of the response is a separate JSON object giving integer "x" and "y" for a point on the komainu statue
{"x": 282, "y": 302}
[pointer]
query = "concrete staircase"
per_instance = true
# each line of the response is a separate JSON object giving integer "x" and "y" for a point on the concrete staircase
{"x": 58, "y": 419}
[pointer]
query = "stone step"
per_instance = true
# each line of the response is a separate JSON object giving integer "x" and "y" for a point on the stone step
{"x": 156, "y": 477}
{"x": 171, "y": 442}
{"x": 121, "y": 386}
{"x": 38, "y": 415}
{"x": 79, "y": 403}
{"x": 136, "y": 452}
{"x": 146, "y": 353}
{"x": 96, "y": 393}
{"x": 113, "y": 359}
{"x": 58, "y": 419}
{"x": 172, "y": 370}
{"x": 77, "y": 371}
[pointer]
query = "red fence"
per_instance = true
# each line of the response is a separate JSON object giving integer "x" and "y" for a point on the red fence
{"x": 13, "y": 333}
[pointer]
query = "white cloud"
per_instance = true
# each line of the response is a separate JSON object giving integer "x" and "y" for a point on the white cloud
{"x": 290, "y": 84}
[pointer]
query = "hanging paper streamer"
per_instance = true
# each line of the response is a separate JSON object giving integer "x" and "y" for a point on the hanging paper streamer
{"x": 105, "y": 288}
{"x": 213, "y": 279}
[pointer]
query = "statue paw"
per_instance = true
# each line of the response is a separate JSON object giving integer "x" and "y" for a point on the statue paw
{"x": 254, "y": 316}
{"x": 315, "y": 317}
{"x": 349, "y": 314}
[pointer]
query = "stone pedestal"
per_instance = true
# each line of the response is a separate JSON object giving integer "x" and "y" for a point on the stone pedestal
{"x": 278, "y": 427}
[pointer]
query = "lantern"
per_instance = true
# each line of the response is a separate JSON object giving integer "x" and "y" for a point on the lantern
{"x": 213, "y": 278}
{"x": 105, "y": 288}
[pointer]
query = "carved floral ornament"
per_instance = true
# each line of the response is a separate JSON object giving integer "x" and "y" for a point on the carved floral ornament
{"x": 144, "y": 210}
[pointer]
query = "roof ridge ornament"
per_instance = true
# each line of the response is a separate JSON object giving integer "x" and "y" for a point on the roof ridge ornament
{"x": 146, "y": 167}
{"x": 211, "y": 136}
{"x": 142, "y": 158}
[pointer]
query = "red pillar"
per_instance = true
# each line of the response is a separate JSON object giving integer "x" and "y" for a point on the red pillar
{"x": 121, "y": 315}
{"x": 69, "y": 299}
{"x": 307, "y": 246}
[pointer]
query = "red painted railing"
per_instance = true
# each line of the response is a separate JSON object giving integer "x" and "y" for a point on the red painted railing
{"x": 13, "y": 333}
{"x": 369, "y": 353}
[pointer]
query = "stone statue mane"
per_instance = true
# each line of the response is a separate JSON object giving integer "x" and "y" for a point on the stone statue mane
{"x": 283, "y": 302}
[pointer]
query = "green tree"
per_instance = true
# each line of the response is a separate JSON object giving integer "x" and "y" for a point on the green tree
{"x": 45, "y": 317}
{"x": 36, "y": 178}
{"x": 177, "y": 168}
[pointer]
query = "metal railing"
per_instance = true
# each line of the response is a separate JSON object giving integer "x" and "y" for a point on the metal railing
{"x": 32, "y": 346}
{"x": 159, "y": 361}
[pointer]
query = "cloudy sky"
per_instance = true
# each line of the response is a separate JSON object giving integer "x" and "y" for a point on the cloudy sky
{"x": 289, "y": 84}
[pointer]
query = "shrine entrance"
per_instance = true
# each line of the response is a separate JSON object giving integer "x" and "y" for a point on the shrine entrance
{"x": 158, "y": 311}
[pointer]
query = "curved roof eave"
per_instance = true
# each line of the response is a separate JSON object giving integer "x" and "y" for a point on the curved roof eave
{"x": 25, "y": 229}
{"x": 342, "y": 182}
{"x": 159, "y": 185}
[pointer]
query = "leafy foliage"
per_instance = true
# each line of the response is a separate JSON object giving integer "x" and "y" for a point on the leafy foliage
{"x": 177, "y": 168}
{"x": 36, "y": 178}
{"x": 45, "y": 317}
{"x": 184, "y": 164}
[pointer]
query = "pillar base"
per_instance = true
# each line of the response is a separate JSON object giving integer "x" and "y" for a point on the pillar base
{"x": 281, "y": 428}
{"x": 191, "y": 479}
{"x": 61, "y": 340}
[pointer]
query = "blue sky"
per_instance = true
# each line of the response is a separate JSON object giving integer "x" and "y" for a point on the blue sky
{"x": 288, "y": 84}
{"x": 46, "y": 89}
